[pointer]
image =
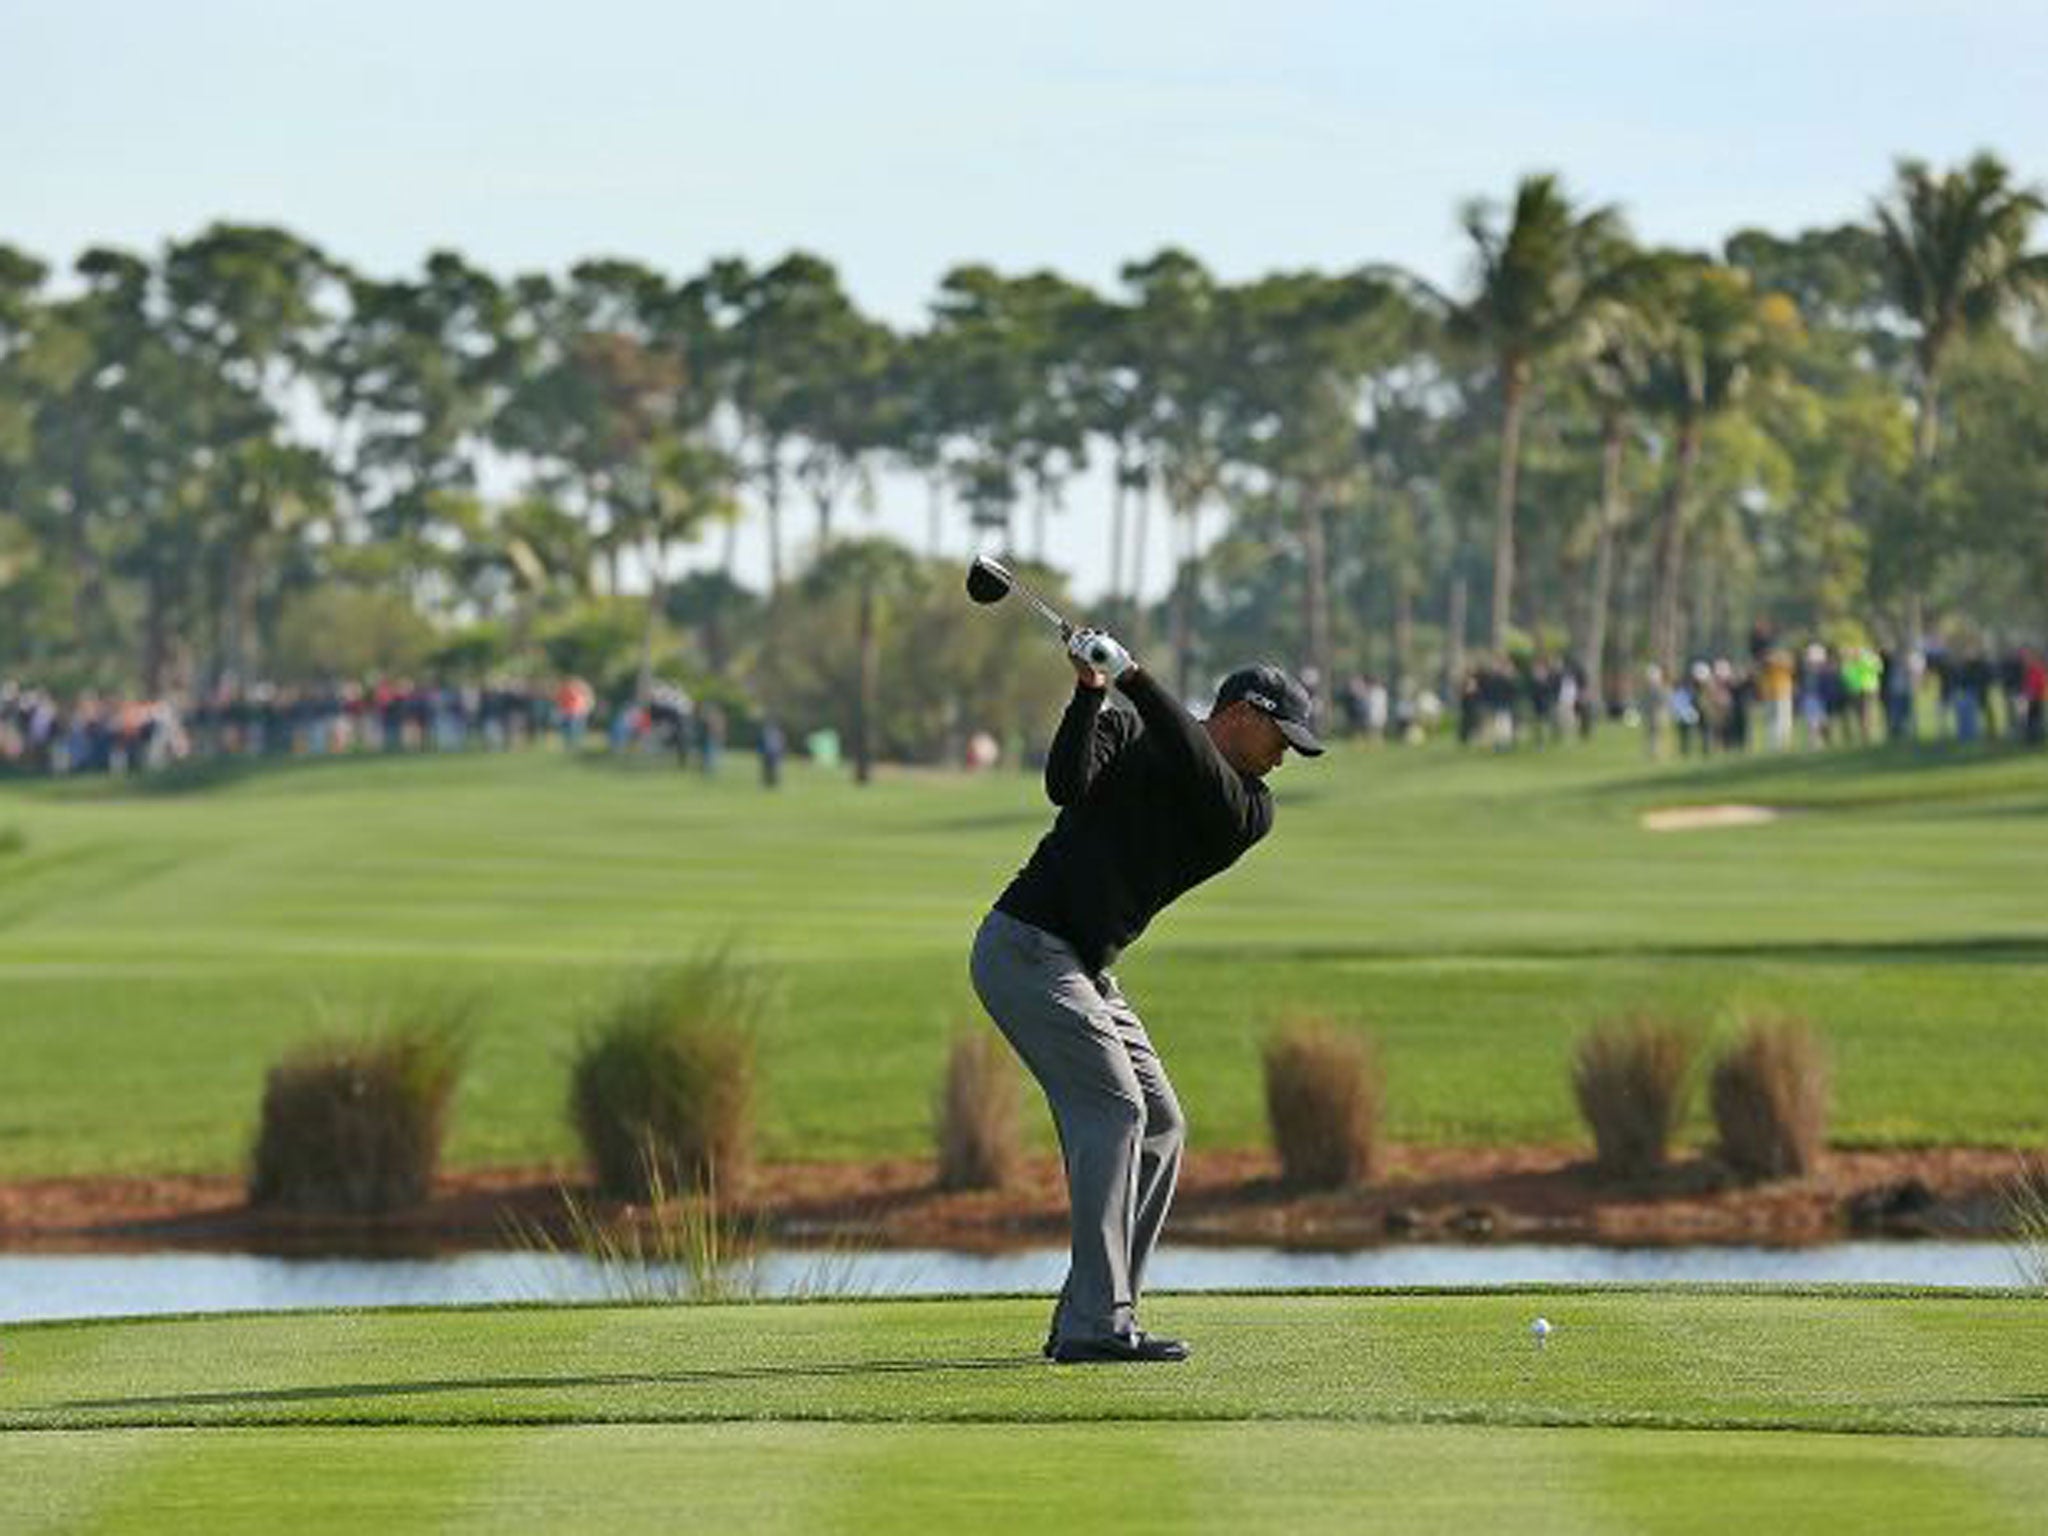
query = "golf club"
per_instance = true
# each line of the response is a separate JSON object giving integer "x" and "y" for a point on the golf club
{"x": 990, "y": 581}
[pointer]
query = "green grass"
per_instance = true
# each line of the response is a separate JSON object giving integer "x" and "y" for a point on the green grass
{"x": 158, "y": 950}
{"x": 1665, "y": 1411}
{"x": 1171, "y": 1479}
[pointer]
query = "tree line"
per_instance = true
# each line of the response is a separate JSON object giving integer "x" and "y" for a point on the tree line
{"x": 241, "y": 457}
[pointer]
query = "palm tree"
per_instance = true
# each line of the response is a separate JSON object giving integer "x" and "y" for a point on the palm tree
{"x": 679, "y": 485}
{"x": 1539, "y": 276}
{"x": 1714, "y": 336}
{"x": 1613, "y": 369}
{"x": 1956, "y": 260}
{"x": 716, "y": 608}
{"x": 545, "y": 547}
{"x": 874, "y": 570}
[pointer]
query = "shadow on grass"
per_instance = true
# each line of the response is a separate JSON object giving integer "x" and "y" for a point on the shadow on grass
{"x": 436, "y": 1386}
{"x": 199, "y": 776}
{"x": 661, "y": 760}
{"x": 2019, "y": 1400}
{"x": 1885, "y": 774}
{"x": 2002, "y": 809}
{"x": 1972, "y": 949}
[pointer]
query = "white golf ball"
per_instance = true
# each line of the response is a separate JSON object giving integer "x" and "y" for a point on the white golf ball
{"x": 1540, "y": 1330}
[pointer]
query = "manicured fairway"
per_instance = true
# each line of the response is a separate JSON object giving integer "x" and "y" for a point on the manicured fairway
{"x": 1658, "y": 1411}
{"x": 158, "y": 950}
{"x": 1129, "y": 1479}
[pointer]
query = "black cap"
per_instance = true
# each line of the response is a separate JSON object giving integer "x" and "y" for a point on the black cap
{"x": 1273, "y": 693}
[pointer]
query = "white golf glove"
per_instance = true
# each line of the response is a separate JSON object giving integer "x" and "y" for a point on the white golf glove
{"x": 1093, "y": 648}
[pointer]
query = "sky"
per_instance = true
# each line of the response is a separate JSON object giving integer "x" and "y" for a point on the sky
{"x": 901, "y": 137}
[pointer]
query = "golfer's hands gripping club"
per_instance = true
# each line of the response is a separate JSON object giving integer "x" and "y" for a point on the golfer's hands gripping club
{"x": 1099, "y": 659}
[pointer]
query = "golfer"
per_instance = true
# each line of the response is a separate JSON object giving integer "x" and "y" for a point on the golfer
{"x": 1152, "y": 802}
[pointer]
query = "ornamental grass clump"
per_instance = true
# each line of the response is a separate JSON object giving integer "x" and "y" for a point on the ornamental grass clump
{"x": 1324, "y": 1091}
{"x": 673, "y": 1247}
{"x": 1770, "y": 1099}
{"x": 1630, "y": 1077}
{"x": 682, "y": 1247}
{"x": 354, "y": 1127}
{"x": 2027, "y": 1212}
{"x": 662, "y": 1089}
{"x": 976, "y": 1115}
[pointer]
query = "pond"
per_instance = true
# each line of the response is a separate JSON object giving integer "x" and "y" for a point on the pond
{"x": 34, "y": 1286}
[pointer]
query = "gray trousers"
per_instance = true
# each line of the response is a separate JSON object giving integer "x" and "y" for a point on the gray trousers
{"x": 1120, "y": 1126}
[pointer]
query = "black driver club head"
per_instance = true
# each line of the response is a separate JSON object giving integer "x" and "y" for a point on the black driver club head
{"x": 990, "y": 581}
{"x": 987, "y": 580}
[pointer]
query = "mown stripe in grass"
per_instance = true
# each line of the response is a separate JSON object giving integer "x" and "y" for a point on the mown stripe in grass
{"x": 1813, "y": 1362}
{"x": 1138, "y": 1479}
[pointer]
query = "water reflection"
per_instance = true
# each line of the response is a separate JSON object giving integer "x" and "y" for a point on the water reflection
{"x": 36, "y": 1286}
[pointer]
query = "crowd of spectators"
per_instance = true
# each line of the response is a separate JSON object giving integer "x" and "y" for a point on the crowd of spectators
{"x": 90, "y": 734}
{"x": 1816, "y": 695}
{"x": 1369, "y": 707}
{"x": 1524, "y": 699}
{"x": 41, "y": 733}
{"x": 1779, "y": 696}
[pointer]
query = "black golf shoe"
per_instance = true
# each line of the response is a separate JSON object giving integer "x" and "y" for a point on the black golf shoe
{"x": 1052, "y": 1329}
{"x": 1118, "y": 1349}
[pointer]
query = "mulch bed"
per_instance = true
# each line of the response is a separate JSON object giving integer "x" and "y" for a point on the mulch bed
{"x": 1547, "y": 1194}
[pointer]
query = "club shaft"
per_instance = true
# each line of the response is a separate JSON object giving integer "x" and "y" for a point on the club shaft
{"x": 1045, "y": 608}
{"x": 1052, "y": 614}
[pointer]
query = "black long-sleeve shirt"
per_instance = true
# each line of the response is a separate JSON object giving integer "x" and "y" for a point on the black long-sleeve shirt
{"x": 1148, "y": 809}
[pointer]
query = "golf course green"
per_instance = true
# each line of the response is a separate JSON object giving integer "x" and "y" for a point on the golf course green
{"x": 160, "y": 946}
{"x": 1663, "y": 1411}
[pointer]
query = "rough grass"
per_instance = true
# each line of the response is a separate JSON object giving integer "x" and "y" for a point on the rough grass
{"x": 1769, "y": 1092}
{"x": 1477, "y": 913}
{"x": 977, "y": 1134}
{"x": 354, "y": 1126}
{"x": 1630, "y": 1077}
{"x": 1325, "y": 1089}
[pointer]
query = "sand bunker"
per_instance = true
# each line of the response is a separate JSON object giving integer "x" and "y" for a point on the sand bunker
{"x": 1695, "y": 818}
